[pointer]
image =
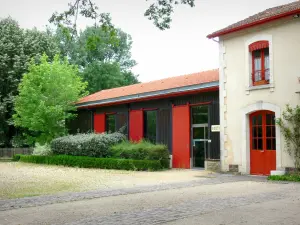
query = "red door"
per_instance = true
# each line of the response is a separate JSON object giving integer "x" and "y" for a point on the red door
{"x": 99, "y": 123}
{"x": 181, "y": 136}
{"x": 262, "y": 143}
{"x": 136, "y": 125}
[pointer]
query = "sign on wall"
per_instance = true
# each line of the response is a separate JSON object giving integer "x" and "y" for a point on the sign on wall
{"x": 215, "y": 128}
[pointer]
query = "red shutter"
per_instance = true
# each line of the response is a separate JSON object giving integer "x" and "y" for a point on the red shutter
{"x": 258, "y": 45}
{"x": 99, "y": 123}
{"x": 181, "y": 136}
{"x": 136, "y": 125}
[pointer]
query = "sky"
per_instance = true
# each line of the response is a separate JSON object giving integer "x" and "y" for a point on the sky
{"x": 183, "y": 49}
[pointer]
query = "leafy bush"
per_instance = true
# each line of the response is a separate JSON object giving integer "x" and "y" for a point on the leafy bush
{"x": 16, "y": 157}
{"x": 289, "y": 126}
{"x": 91, "y": 162}
{"x": 42, "y": 149}
{"x": 94, "y": 145}
{"x": 287, "y": 177}
{"x": 142, "y": 150}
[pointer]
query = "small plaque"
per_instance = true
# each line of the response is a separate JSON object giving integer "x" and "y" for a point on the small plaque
{"x": 215, "y": 128}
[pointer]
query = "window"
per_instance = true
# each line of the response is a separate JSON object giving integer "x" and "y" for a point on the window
{"x": 121, "y": 123}
{"x": 260, "y": 62}
{"x": 263, "y": 131}
{"x": 150, "y": 126}
{"x": 110, "y": 123}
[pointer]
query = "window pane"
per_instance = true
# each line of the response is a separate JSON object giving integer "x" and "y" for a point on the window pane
{"x": 270, "y": 119}
{"x": 150, "y": 126}
{"x": 269, "y": 131}
{"x": 259, "y": 131}
{"x": 121, "y": 122}
{"x": 110, "y": 123}
{"x": 259, "y": 144}
{"x": 254, "y": 120}
{"x": 198, "y": 133}
{"x": 269, "y": 144}
{"x": 273, "y": 131}
{"x": 274, "y": 144}
{"x": 259, "y": 120}
{"x": 254, "y": 144}
{"x": 254, "y": 131}
{"x": 200, "y": 114}
{"x": 267, "y": 64}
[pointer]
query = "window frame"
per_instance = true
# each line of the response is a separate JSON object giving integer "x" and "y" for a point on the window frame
{"x": 259, "y": 46}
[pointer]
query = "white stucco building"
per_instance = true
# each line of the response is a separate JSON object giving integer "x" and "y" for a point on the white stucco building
{"x": 259, "y": 75}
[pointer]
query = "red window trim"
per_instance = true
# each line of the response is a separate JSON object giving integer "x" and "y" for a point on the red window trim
{"x": 259, "y": 45}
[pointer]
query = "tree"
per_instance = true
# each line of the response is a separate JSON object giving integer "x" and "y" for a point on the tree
{"x": 17, "y": 47}
{"x": 104, "y": 65}
{"x": 290, "y": 128}
{"x": 160, "y": 11}
{"x": 46, "y": 98}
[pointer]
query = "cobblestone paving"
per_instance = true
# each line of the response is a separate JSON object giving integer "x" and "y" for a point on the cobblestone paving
{"x": 51, "y": 199}
{"x": 194, "y": 208}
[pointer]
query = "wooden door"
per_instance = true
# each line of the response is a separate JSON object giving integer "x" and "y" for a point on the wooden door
{"x": 262, "y": 143}
{"x": 181, "y": 136}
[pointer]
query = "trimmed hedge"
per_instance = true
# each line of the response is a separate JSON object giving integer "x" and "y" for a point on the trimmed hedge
{"x": 90, "y": 162}
{"x": 286, "y": 177}
{"x": 93, "y": 145}
{"x": 142, "y": 150}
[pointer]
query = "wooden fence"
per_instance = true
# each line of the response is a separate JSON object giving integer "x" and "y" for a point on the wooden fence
{"x": 10, "y": 152}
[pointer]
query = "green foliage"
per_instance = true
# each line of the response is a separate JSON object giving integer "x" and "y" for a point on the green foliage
{"x": 287, "y": 177}
{"x": 19, "y": 141}
{"x": 142, "y": 150}
{"x": 102, "y": 64}
{"x": 160, "y": 11}
{"x": 46, "y": 98}
{"x": 16, "y": 157}
{"x": 290, "y": 128}
{"x": 94, "y": 145}
{"x": 42, "y": 149}
{"x": 90, "y": 162}
{"x": 17, "y": 47}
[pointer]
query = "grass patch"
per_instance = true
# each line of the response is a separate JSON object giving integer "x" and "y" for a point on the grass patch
{"x": 287, "y": 177}
{"x": 91, "y": 162}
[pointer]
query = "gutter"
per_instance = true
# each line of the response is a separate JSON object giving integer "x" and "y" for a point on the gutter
{"x": 218, "y": 34}
{"x": 152, "y": 94}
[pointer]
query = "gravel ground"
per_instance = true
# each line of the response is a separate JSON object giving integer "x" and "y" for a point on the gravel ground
{"x": 23, "y": 179}
{"x": 227, "y": 200}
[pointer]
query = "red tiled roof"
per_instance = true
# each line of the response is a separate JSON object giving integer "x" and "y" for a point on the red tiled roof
{"x": 260, "y": 18}
{"x": 157, "y": 85}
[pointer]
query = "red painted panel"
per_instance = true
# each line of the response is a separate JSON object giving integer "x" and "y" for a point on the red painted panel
{"x": 99, "y": 123}
{"x": 181, "y": 136}
{"x": 136, "y": 125}
{"x": 270, "y": 161}
{"x": 262, "y": 161}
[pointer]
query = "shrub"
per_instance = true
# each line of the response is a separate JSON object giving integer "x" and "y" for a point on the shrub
{"x": 91, "y": 162}
{"x": 287, "y": 177}
{"x": 289, "y": 126}
{"x": 16, "y": 157}
{"x": 142, "y": 150}
{"x": 94, "y": 145}
{"x": 42, "y": 149}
